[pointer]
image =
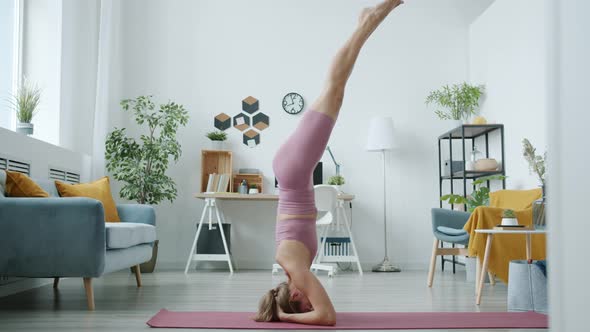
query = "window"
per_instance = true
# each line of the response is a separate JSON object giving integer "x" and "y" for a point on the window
{"x": 10, "y": 22}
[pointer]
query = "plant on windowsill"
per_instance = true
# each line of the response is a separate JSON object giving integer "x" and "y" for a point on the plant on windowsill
{"x": 217, "y": 138}
{"x": 253, "y": 189}
{"x": 141, "y": 165}
{"x": 457, "y": 102}
{"x": 479, "y": 197}
{"x": 25, "y": 102}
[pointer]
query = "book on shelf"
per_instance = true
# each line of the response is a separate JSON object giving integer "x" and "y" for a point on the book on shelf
{"x": 217, "y": 183}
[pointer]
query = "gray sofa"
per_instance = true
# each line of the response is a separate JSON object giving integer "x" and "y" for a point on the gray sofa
{"x": 68, "y": 237}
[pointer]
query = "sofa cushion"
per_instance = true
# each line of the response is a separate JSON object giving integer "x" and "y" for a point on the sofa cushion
{"x": 126, "y": 234}
{"x": 20, "y": 185}
{"x": 99, "y": 190}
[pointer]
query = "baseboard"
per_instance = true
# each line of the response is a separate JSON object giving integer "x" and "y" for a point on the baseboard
{"x": 23, "y": 285}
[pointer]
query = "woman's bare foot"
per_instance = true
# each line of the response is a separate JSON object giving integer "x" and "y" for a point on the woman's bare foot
{"x": 372, "y": 16}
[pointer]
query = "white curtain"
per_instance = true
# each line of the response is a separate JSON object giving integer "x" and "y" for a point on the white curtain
{"x": 101, "y": 110}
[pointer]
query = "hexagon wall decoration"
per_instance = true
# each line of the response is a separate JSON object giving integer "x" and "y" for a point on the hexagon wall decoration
{"x": 261, "y": 121}
{"x": 250, "y": 105}
{"x": 241, "y": 122}
{"x": 251, "y": 138}
{"x": 222, "y": 121}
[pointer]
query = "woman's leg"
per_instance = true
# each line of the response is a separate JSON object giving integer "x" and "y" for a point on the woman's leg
{"x": 331, "y": 98}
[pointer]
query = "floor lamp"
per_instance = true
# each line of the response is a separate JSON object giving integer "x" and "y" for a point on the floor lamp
{"x": 380, "y": 140}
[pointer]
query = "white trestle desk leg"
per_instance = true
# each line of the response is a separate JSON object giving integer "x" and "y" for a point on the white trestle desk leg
{"x": 347, "y": 225}
{"x": 229, "y": 264}
{"x": 222, "y": 215}
{"x": 192, "y": 252}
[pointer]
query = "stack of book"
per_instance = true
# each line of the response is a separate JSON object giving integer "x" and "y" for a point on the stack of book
{"x": 218, "y": 183}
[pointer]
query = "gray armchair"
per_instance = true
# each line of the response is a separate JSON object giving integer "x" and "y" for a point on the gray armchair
{"x": 447, "y": 226}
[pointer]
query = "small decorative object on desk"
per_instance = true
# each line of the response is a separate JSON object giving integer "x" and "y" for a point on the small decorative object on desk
{"x": 253, "y": 189}
{"x": 243, "y": 188}
{"x": 509, "y": 218}
{"x": 217, "y": 138}
{"x": 479, "y": 120}
{"x": 337, "y": 181}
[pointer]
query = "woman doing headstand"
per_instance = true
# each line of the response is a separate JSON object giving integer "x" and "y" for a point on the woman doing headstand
{"x": 303, "y": 299}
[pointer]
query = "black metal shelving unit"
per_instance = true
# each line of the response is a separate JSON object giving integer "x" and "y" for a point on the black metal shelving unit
{"x": 467, "y": 133}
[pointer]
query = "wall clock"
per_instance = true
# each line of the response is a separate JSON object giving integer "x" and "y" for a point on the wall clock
{"x": 293, "y": 103}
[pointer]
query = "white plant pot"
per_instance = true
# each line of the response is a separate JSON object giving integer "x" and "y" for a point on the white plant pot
{"x": 217, "y": 145}
{"x": 509, "y": 221}
{"x": 253, "y": 191}
{"x": 452, "y": 124}
{"x": 25, "y": 128}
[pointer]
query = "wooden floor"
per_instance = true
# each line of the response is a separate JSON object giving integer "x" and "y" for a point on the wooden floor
{"x": 120, "y": 306}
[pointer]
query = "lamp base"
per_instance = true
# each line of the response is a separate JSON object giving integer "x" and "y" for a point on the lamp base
{"x": 386, "y": 266}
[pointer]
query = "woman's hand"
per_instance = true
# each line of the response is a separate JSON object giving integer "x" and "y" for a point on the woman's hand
{"x": 283, "y": 317}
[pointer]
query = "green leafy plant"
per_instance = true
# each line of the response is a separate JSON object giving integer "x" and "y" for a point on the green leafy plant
{"x": 217, "y": 135}
{"x": 141, "y": 165}
{"x": 336, "y": 180}
{"x": 25, "y": 101}
{"x": 536, "y": 162}
{"x": 508, "y": 214}
{"x": 253, "y": 186}
{"x": 456, "y": 102}
{"x": 479, "y": 197}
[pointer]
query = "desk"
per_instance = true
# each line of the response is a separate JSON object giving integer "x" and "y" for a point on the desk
{"x": 490, "y": 233}
{"x": 212, "y": 208}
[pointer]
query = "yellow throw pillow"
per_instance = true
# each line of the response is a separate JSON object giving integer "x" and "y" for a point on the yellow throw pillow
{"x": 99, "y": 190}
{"x": 20, "y": 185}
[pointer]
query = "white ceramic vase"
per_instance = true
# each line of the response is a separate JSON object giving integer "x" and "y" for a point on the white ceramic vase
{"x": 217, "y": 145}
{"x": 25, "y": 128}
{"x": 509, "y": 221}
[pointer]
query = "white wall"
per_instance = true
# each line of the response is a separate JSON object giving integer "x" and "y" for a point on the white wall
{"x": 569, "y": 179}
{"x": 42, "y": 62}
{"x": 209, "y": 55}
{"x": 507, "y": 53}
{"x": 79, "y": 56}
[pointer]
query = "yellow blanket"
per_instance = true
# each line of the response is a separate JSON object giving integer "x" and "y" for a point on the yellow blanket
{"x": 505, "y": 247}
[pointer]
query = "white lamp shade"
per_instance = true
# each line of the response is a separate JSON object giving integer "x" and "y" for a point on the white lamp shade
{"x": 380, "y": 134}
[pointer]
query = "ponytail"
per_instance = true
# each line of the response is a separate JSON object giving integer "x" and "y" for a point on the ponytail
{"x": 267, "y": 308}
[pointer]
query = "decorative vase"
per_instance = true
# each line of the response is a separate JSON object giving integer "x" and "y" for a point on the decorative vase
{"x": 217, "y": 145}
{"x": 453, "y": 124}
{"x": 24, "y": 128}
{"x": 509, "y": 221}
{"x": 486, "y": 165}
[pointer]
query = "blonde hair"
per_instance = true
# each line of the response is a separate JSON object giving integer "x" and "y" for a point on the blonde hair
{"x": 281, "y": 296}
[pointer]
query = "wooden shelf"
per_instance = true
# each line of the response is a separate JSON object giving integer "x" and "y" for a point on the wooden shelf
{"x": 215, "y": 161}
{"x": 251, "y": 179}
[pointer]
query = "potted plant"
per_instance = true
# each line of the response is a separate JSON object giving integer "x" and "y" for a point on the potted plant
{"x": 141, "y": 164}
{"x": 253, "y": 189}
{"x": 509, "y": 218}
{"x": 337, "y": 181}
{"x": 536, "y": 162}
{"x": 479, "y": 197}
{"x": 457, "y": 102}
{"x": 217, "y": 138}
{"x": 25, "y": 102}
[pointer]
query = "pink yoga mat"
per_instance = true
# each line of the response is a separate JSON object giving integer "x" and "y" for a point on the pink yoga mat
{"x": 356, "y": 321}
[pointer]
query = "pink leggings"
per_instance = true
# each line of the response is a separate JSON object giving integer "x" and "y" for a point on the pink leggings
{"x": 293, "y": 166}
